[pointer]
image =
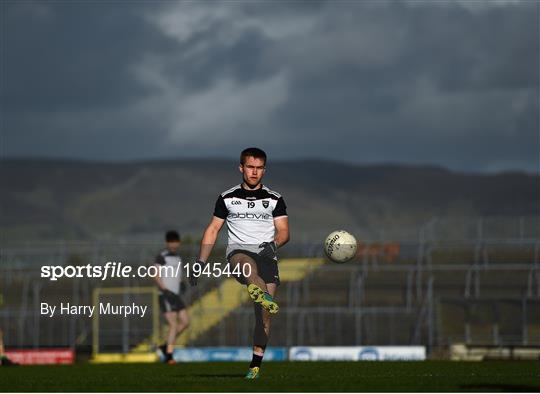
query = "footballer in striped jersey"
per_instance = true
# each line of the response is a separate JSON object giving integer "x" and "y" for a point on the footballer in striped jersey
{"x": 257, "y": 225}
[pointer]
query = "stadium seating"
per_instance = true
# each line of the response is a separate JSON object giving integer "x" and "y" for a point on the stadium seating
{"x": 485, "y": 295}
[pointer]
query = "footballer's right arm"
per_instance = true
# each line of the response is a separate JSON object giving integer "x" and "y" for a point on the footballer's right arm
{"x": 210, "y": 237}
{"x": 157, "y": 279}
{"x": 158, "y": 263}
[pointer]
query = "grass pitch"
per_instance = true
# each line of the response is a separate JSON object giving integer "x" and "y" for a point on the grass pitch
{"x": 278, "y": 376}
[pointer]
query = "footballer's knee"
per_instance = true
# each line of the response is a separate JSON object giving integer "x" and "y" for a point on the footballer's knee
{"x": 183, "y": 320}
{"x": 183, "y": 324}
{"x": 243, "y": 260}
{"x": 253, "y": 268}
{"x": 186, "y": 322}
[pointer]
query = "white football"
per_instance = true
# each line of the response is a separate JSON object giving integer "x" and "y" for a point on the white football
{"x": 340, "y": 246}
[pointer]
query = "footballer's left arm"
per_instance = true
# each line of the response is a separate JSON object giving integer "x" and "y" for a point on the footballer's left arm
{"x": 281, "y": 223}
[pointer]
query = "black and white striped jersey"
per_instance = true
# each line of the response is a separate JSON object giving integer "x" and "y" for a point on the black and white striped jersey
{"x": 249, "y": 215}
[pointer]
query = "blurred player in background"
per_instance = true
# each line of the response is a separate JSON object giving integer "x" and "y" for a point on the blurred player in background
{"x": 169, "y": 283}
{"x": 4, "y": 360}
{"x": 257, "y": 225}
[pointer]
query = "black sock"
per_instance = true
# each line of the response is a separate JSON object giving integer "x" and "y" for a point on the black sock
{"x": 168, "y": 356}
{"x": 256, "y": 361}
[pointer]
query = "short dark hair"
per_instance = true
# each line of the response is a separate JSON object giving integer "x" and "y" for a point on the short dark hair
{"x": 172, "y": 236}
{"x": 252, "y": 152}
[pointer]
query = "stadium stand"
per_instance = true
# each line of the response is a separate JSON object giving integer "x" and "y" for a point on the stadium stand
{"x": 483, "y": 293}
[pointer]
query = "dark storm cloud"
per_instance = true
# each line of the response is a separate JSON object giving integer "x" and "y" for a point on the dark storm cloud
{"x": 75, "y": 55}
{"x": 457, "y": 88}
{"x": 242, "y": 60}
{"x": 69, "y": 87}
{"x": 450, "y": 83}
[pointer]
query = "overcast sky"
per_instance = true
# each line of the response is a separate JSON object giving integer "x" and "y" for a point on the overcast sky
{"x": 451, "y": 83}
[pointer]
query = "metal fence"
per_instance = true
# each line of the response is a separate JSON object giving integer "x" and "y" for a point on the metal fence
{"x": 438, "y": 290}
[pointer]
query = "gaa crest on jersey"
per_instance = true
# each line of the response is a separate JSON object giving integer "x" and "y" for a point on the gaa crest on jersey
{"x": 266, "y": 203}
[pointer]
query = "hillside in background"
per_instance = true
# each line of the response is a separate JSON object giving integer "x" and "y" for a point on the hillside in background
{"x": 62, "y": 199}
